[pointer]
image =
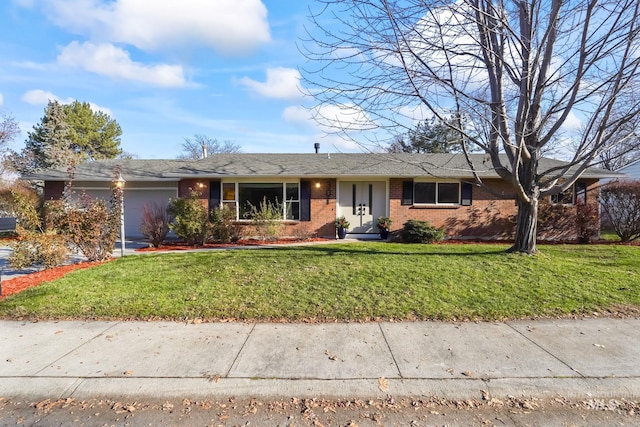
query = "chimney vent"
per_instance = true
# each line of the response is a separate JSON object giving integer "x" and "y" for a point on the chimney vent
{"x": 317, "y": 147}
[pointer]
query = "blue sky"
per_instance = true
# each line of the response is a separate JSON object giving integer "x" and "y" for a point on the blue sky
{"x": 164, "y": 70}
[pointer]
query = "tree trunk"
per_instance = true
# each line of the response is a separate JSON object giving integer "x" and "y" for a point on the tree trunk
{"x": 526, "y": 227}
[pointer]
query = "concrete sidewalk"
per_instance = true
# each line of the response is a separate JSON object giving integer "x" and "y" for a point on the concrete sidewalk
{"x": 592, "y": 358}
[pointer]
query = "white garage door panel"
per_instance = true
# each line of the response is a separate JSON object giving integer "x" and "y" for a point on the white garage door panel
{"x": 134, "y": 201}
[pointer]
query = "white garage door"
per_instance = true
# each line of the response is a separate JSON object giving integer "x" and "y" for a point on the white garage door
{"x": 134, "y": 201}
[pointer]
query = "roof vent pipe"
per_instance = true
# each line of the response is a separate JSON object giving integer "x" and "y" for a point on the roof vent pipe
{"x": 317, "y": 147}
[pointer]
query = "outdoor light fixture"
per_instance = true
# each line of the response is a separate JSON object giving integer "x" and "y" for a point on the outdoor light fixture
{"x": 318, "y": 184}
{"x": 200, "y": 185}
{"x": 120, "y": 186}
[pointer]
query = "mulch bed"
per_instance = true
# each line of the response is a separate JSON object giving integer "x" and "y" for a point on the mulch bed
{"x": 19, "y": 284}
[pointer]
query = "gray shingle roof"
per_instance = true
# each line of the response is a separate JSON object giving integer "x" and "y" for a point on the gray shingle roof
{"x": 298, "y": 165}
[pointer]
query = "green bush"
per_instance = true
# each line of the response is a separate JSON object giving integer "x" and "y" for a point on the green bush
{"x": 191, "y": 219}
{"x": 267, "y": 219}
{"x": 224, "y": 228}
{"x": 415, "y": 231}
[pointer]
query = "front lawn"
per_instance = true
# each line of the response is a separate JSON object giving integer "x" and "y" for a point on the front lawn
{"x": 354, "y": 281}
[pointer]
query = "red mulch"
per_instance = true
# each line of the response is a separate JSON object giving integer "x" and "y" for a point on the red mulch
{"x": 181, "y": 246}
{"x": 18, "y": 284}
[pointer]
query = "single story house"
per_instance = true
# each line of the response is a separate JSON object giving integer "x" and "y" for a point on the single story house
{"x": 632, "y": 170}
{"x": 316, "y": 188}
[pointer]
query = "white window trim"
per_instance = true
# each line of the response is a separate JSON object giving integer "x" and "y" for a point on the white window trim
{"x": 239, "y": 181}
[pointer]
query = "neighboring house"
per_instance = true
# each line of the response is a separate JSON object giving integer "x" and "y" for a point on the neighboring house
{"x": 632, "y": 170}
{"x": 317, "y": 188}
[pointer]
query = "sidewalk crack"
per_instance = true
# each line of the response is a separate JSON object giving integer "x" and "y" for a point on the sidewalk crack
{"x": 78, "y": 346}
{"x": 395, "y": 362}
{"x": 235, "y": 360}
{"x": 546, "y": 351}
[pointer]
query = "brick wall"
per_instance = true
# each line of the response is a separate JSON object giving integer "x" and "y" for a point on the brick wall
{"x": 53, "y": 190}
{"x": 187, "y": 186}
{"x": 492, "y": 214}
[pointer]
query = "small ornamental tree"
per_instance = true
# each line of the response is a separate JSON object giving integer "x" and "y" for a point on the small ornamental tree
{"x": 155, "y": 223}
{"x": 620, "y": 202}
{"x": 90, "y": 225}
{"x": 191, "y": 219}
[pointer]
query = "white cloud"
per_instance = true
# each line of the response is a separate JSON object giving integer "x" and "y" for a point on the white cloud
{"x": 228, "y": 26}
{"x": 38, "y": 97}
{"x": 109, "y": 60}
{"x": 42, "y": 97}
{"x": 282, "y": 83}
{"x": 298, "y": 115}
{"x": 25, "y": 3}
{"x": 329, "y": 122}
{"x": 330, "y": 118}
{"x": 573, "y": 123}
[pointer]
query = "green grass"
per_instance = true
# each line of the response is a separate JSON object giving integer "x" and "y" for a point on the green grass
{"x": 354, "y": 281}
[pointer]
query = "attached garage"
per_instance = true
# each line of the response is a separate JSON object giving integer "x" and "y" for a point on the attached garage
{"x": 136, "y": 196}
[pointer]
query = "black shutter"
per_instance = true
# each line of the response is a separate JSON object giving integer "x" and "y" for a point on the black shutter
{"x": 305, "y": 200}
{"x": 467, "y": 194}
{"x": 407, "y": 193}
{"x": 214, "y": 194}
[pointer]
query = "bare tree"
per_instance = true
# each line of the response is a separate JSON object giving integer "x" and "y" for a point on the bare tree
{"x": 625, "y": 147}
{"x": 201, "y": 146}
{"x": 9, "y": 129}
{"x": 524, "y": 70}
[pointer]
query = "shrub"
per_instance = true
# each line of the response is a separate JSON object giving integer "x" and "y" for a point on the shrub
{"x": 267, "y": 219}
{"x": 620, "y": 202}
{"x": 90, "y": 225}
{"x": 224, "y": 228}
{"x": 155, "y": 222}
{"x": 27, "y": 207}
{"x": 415, "y": 231}
{"x": 191, "y": 219}
{"x": 37, "y": 249}
{"x": 586, "y": 221}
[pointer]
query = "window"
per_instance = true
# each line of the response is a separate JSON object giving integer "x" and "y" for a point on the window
{"x": 564, "y": 198}
{"x": 436, "y": 193}
{"x": 577, "y": 194}
{"x": 241, "y": 196}
{"x": 229, "y": 196}
{"x": 292, "y": 202}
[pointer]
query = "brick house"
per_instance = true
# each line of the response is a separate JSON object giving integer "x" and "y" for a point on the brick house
{"x": 317, "y": 188}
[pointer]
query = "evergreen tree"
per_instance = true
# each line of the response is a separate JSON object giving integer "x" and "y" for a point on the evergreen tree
{"x": 430, "y": 136}
{"x": 67, "y": 134}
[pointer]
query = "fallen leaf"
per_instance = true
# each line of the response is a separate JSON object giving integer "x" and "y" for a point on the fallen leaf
{"x": 331, "y": 356}
{"x": 128, "y": 372}
{"x": 57, "y": 332}
{"x": 383, "y": 384}
{"x": 598, "y": 345}
{"x": 467, "y": 374}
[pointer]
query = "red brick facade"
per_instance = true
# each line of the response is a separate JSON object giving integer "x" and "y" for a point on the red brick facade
{"x": 492, "y": 214}
{"x": 53, "y": 190}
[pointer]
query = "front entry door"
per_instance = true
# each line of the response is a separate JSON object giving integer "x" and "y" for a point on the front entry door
{"x": 362, "y": 203}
